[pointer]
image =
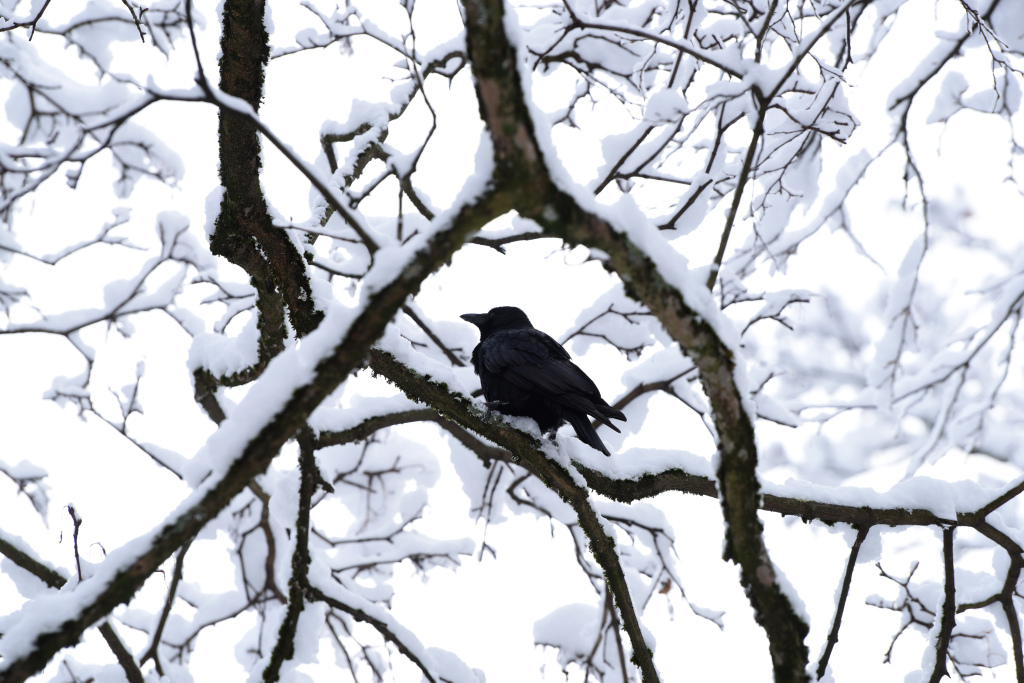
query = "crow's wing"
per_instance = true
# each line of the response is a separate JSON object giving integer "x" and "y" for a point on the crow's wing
{"x": 537, "y": 364}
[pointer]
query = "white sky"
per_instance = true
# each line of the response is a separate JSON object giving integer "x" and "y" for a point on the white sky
{"x": 534, "y": 571}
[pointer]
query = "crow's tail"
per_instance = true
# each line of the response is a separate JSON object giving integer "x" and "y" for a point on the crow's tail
{"x": 602, "y": 413}
{"x": 588, "y": 435}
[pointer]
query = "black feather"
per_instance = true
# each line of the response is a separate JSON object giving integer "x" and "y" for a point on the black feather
{"x": 526, "y": 373}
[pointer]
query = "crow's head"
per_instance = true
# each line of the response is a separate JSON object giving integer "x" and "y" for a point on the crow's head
{"x": 500, "y": 318}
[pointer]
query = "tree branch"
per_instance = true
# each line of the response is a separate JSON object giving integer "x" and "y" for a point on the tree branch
{"x": 462, "y": 411}
{"x": 244, "y": 232}
{"x": 309, "y": 477}
{"x": 124, "y": 657}
{"x": 115, "y": 583}
{"x": 837, "y": 619}
{"x": 520, "y": 165}
{"x": 948, "y": 609}
{"x": 39, "y": 569}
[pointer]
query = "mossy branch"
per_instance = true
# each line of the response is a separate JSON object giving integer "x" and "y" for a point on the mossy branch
{"x": 347, "y": 355}
{"x": 526, "y": 448}
{"x": 521, "y": 168}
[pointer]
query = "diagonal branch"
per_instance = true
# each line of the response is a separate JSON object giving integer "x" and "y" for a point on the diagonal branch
{"x": 124, "y": 657}
{"x": 15, "y": 552}
{"x": 54, "y": 579}
{"x": 563, "y": 212}
{"x": 555, "y": 476}
{"x": 365, "y": 612}
{"x": 833, "y": 635}
{"x": 457, "y": 413}
{"x": 153, "y": 652}
{"x": 293, "y": 384}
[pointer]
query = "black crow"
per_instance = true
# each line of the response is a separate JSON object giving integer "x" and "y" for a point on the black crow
{"x": 526, "y": 373}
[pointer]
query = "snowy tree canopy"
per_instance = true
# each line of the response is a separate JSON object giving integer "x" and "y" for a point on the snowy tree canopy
{"x": 242, "y": 438}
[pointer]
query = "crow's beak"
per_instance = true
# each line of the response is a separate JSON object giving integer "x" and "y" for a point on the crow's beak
{"x": 477, "y": 319}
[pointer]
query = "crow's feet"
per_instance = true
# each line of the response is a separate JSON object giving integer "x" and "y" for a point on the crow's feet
{"x": 492, "y": 408}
